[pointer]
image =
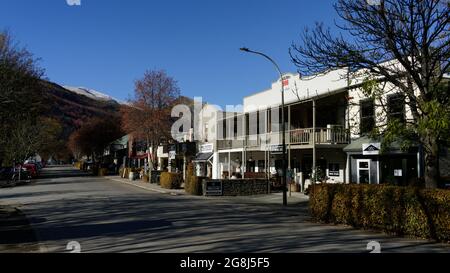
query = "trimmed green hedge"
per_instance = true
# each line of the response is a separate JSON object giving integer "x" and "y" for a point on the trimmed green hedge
{"x": 396, "y": 210}
{"x": 171, "y": 180}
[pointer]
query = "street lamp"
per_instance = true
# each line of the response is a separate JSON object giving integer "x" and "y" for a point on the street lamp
{"x": 283, "y": 126}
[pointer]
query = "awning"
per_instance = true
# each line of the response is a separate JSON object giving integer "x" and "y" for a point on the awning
{"x": 203, "y": 157}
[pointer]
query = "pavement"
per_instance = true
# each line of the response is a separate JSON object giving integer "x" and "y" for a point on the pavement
{"x": 109, "y": 215}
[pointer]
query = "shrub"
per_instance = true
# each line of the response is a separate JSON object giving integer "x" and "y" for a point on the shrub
{"x": 171, "y": 180}
{"x": 145, "y": 178}
{"x": 398, "y": 210}
{"x": 193, "y": 184}
{"x": 102, "y": 171}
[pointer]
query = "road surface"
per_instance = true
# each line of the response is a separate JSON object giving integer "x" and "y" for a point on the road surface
{"x": 108, "y": 216}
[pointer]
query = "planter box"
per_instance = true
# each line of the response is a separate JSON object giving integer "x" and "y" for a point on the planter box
{"x": 132, "y": 176}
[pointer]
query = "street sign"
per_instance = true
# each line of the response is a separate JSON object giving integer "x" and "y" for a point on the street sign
{"x": 213, "y": 188}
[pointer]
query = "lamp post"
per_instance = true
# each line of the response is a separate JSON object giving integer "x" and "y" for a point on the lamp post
{"x": 283, "y": 125}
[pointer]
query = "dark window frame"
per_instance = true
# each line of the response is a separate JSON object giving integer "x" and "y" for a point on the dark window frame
{"x": 367, "y": 123}
{"x": 399, "y": 115}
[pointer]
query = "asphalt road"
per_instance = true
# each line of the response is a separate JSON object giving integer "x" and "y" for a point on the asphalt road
{"x": 107, "y": 216}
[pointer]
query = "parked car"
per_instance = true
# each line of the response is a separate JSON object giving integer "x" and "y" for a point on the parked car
{"x": 10, "y": 176}
{"x": 6, "y": 177}
{"x": 32, "y": 168}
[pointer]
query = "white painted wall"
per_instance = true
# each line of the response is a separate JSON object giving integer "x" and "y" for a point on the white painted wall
{"x": 304, "y": 88}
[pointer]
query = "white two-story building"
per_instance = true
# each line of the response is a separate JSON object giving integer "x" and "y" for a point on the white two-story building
{"x": 328, "y": 119}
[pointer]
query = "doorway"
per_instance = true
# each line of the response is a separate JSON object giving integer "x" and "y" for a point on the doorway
{"x": 363, "y": 170}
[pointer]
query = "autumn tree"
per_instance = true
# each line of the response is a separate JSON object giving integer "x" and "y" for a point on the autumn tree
{"x": 411, "y": 35}
{"x": 148, "y": 115}
{"x": 93, "y": 137}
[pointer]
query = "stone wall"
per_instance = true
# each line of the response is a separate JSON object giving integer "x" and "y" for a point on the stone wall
{"x": 244, "y": 187}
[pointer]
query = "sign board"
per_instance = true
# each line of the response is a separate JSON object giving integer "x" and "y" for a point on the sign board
{"x": 398, "y": 173}
{"x": 333, "y": 170}
{"x": 172, "y": 155}
{"x": 371, "y": 149}
{"x": 213, "y": 188}
{"x": 276, "y": 149}
{"x": 206, "y": 148}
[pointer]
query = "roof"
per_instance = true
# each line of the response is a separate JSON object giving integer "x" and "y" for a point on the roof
{"x": 121, "y": 141}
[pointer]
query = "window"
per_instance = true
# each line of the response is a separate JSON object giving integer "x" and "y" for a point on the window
{"x": 396, "y": 108}
{"x": 367, "y": 116}
{"x": 333, "y": 169}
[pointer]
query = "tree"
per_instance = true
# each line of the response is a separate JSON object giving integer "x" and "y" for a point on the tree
{"x": 29, "y": 138}
{"x": 148, "y": 115}
{"x": 20, "y": 99}
{"x": 93, "y": 137}
{"x": 402, "y": 43}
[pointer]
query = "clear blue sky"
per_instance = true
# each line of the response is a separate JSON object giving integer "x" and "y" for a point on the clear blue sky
{"x": 107, "y": 44}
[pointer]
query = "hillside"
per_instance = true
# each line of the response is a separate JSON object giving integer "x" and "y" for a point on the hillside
{"x": 73, "y": 108}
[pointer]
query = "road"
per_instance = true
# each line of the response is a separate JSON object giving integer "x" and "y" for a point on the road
{"x": 108, "y": 216}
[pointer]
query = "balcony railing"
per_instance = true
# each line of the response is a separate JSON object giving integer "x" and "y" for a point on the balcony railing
{"x": 333, "y": 135}
{"x": 230, "y": 144}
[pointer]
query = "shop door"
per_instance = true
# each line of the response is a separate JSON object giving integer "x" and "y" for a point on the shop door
{"x": 363, "y": 171}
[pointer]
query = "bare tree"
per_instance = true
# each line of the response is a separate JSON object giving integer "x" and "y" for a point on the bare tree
{"x": 148, "y": 115}
{"x": 21, "y": 100}
{"x": 405, "y": 43}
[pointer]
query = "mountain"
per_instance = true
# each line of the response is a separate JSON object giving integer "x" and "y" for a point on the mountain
{"x": 73, "y": 106}
{"x": 93, "y": 94}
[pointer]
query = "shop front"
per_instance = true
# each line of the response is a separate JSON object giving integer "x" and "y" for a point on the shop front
{"x": 368, "y": 164}
{"x": 204, "y": 161}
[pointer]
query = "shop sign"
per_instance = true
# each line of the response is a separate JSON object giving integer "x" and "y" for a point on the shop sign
{"x": 213, "y": 188}
{"x": 207, "y": 148}
{"x": 276, "y": 149}
{"x": 371, "y": 149}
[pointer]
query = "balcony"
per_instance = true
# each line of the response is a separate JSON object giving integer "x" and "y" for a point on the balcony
{"x": 230, "y": 144}
{"x": 331, "y": 135}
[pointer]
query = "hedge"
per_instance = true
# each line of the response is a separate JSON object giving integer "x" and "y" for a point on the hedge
{"x": 102, "y": 172}
{"x": 146, "y": 178}
{"x": 193, "y": 184}
{"x": 392, "y": 209}
{"x": 171, "y": 180}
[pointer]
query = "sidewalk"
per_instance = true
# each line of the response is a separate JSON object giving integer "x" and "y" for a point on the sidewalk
{"x": 16, "y": 233}
{"x": 294, "y": 198}
{"x": 146, "y": 186}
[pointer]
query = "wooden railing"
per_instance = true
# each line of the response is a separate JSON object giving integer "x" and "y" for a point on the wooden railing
{"x": 332, "y": 136}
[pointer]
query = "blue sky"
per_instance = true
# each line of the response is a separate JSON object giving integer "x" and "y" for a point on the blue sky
{"x": 107, "y": 44}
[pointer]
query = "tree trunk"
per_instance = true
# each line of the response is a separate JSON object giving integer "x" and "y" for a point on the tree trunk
{"x": 431, "y": 163}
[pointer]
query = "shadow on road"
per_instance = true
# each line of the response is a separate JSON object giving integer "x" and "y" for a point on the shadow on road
{"x": 14, "y": 225}
{"x": 53, "y": 172}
